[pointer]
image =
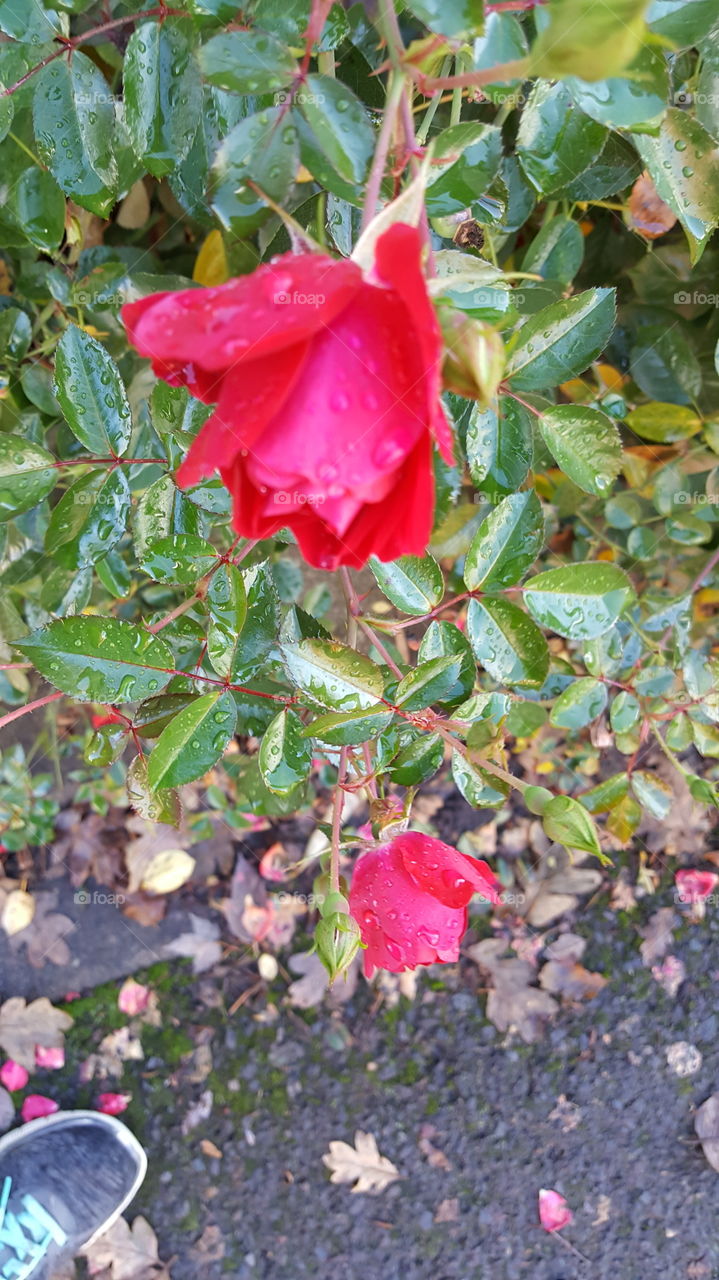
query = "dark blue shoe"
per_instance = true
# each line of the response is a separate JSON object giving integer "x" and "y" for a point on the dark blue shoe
{"x": 64, "y": 1179}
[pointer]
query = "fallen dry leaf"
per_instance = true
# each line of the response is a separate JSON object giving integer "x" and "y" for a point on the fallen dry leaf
{"x": 657, "y": 935}
{"x": 563, "y": 975}
{"x": 130, "y": 1252}
{"x": 201, "y": 944}
{"x": 432, "y": 1154}
{"x": 313, "y": 985}
{"x": 209, "y": 1149}
{"x": 706, "y": 1125}
{"x": 45, "y": 936}
{"x": 513, "y": 1004}
{"x": 566, "y": 1113}
{"x": 604, "y": 1209}
{"x": 447, "y": 1211}
{"x": 113, "y": 1052}
{"x": 198, "y": 1112}
{"x": 23, "y": 1026}
{"x": 211, "y": 1245}
{"x": 684, "y": 1058}
{"x": 648, "y": 213}
{"x": 362, "y": 1164}
{"x": 17, "y": 912}
{"x": 670, "y": 974}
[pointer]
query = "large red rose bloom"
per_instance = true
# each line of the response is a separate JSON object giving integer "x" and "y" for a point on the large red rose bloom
{"x": 327, "y": 387}
{"x": 410, "y": 899}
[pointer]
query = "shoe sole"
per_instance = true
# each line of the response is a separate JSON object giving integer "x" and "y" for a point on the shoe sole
{"x": 62, "y": 1119}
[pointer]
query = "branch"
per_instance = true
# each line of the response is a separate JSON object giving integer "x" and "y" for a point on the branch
{"x": 30, "y": 706}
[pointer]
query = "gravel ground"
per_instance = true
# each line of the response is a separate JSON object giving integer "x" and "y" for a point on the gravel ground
{"x": 594, "y": 1111}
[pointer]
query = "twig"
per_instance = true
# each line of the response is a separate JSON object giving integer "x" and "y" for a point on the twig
{"x": 30, "y": 706}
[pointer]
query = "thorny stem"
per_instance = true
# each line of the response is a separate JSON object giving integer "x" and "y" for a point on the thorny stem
{"x": 30, "y": 706}
{"x": 110, "y": 462}
{"x": 379, "y": 161}
{"x": 68, "y": 45}
{"x": 339, "y": 799}
{"x": 469, "y": 79}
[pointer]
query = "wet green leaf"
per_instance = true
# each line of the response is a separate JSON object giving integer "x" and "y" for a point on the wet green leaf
{"x": 499, "y": 446}
{"x": 27, "y": 475}
{"x": 163, "y": 94}
{"x": 506, "y": 544}
{"x": 285, "y": 754}
{"x": 556, "y": 140}
{"x": 194, "y": 741}
{"x": 247, "y": 62}
{"x": 561, "y": 340}
{"x": 333, "y": 675}
{"x": 74, "y": 115}
{"x": 340, "y": 123}
{"x": 414, "y": 584}
{"x": 507, "y": 643}
{"x": 431, "y": 681}
{"x": 91, "y": 394}
{"x": 100, "y": 659}
{"x": 585, "y": 444}
{"x": 579, "y": 704}
{"x": 579, "y": 601}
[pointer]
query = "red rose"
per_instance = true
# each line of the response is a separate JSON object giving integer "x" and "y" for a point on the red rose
{"x": 695, "y": 886}
{"x": 327, "y": 386}
{"x": 410, "y": 898}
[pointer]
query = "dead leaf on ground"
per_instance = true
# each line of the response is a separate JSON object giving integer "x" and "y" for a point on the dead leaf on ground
{"x": 513, "y": 1004}
{"x": 198, "y": 1113}
{"x": 17, "y": 909}
{"x": 23, "y": 1026}
{"x": 45, "y": 936}
{"x": 200, "y": 944}
{"x": 313, "y": 984}
{"x": 706, "y": 1125}
{"x": 648, "y": 213}
{"x": 114, "y": 1051}
{"x": 129, "y": 1252}
{"x": 658, "y": 935}
{"x": 447, "y": 1211}
{"x": 432, "y": 1154}
{"x": 563, "y": 975}
{"x": 670, "y": 975}
{"x": 157, "y": 859}
{"x": 211, "y": 1245}
{"x": 362, "y": 1164}
{"x": 566, "y": 1113}
{"x": 604, "y": 1209}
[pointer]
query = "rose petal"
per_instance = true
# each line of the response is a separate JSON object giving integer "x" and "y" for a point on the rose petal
{"x": 554, "y": 1212}
{"x": 13, "y": 1076}
{"x": 36, "y": 1105}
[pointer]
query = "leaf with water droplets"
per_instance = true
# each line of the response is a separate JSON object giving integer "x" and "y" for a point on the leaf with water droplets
{"x": 155, "y": 806}
{"x": 414, "y": 584}
{"x": 263, "y": 149}
{"x": 683, "y": 160}
{"x": 561, "y": 340}
{"x": 431, "y": 681}
{"x": 285, "y": 754}
{"x": 580, "y": 703}
{"x": 507, "y": 643}
{"x": 193, "y": 741}
{"x": 579, "y": 601}
{"x": 180, "y": 557}
{"x": 585, "y": 444}
{"x": 340, "y": 124}
{"x": 567, "y": 822}
{"x": 479, "y": 788}
{"x": 449, "y": 17}
{"x": 89, "y": 519}
{"x": 499, "y": 446}
{"x": 227, "y": 604}
{"x": 100, "y": 659}
{"x": 74, "y": 117}
{"x": 163, "y": 94}
{"x": 26, "y": 475}
{"x": 506, "y": 543}
{"x": 333, "y": 675}
{"x": 91, "y": 394}
{"x": 556, "y": 140}
{"x": 247, "y": 62}
{"x": 349, "y": 728}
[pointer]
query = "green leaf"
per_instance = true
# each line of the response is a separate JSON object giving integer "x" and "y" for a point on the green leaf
{"x": 449, "y": 17}
{"x": 333, "y": 675}
{"x": 588, "y": 39}
{"x": 683, "y": 22}
{"x": 100, "y": 659}
{"x": 503, "y": 41}
{"x": 163, "y": 94}
{"x": 264, "y": 149}
{"x": 578, "y": 601}
{"x": 499, "y": 446}
{"x": 466, "y": 158}
{"x": 415, "y": 584}
{"x": 567, "y": 822}
{"x": 606, "y": 795}
{"x": 247, "y": 62}
{"x": 557, "y": 251}
{"x": 89, "y": 519}
{"x": 285, "y": 754}
{"x": 33, "y": 25}
{"x": 507, "y": 643}
{"x": 638, "y": 98}
{"x": 180, "y": 557}
{"x": 162, "y": 510}
{"x": 664, "y": 364}
{"x": 349, "y": 729}
{"x": 340, "y": 124}
{"x": 227, "y": 603}
{"x": 579, "y": 704}
{"x": 585, "y": 444}
{"x": 624, "y": 712}
{"x": 665, "y": 423}
{"x": 256, "y": 644}
{"x": 431, "y": 681}
{"x": 653, "y": 793}
{"x": 27, "y": 475}
{"x": 562, "y": 340}
{"x": 15, "y": 333}
{"x": 683, "y": 161}
{"x": 38, "y": 206}
{"x": 444, "y": 638}
{"x": 154, "y": 714}
{"x": 556, "y": 140}
{"x": 194, "y": 741}
{"x": 418, "y": 761}
{"x": 479, "y": 788}
{"x": 154, "y": 806}
{"x": 506, "y": 543}
{"x": 91, "y": 394}
{"x": 74, "y": 117}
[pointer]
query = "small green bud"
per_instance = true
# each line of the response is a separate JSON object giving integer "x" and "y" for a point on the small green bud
{"x": 337, "y": 940}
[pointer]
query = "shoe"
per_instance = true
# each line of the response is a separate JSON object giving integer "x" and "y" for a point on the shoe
{"x": 64, "y": 1179}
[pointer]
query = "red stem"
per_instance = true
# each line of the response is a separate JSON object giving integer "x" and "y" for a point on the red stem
{"x": 30, "y": 706}
{"x": 68, "y": 45}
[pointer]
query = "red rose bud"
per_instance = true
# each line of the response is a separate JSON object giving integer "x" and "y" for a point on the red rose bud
{"x": 410, "y": 899}
{"x": 326, "y": 383}
{"x": 474, "y": 357}
{"x": 337, "y": 936}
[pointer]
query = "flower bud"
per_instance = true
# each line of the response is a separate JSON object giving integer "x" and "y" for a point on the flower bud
{"x": 337, "y": 939}
{"x": 474, "y": 356}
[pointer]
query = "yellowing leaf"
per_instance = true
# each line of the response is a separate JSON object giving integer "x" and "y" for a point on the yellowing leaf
{"x": 361, "y": 1164}
{"x": 168, "y": 871}
{"x": 18, "y": 911}
{"x": 211, "y": 263}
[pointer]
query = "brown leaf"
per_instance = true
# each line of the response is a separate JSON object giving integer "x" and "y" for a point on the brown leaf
{"x": 130, "y": 1252}
{"x": 23, "y": 1026}
{"x": 657, "y": 935}
{"x": 45, "y": 936}
{"x": 447, "y": 1211}
{"x": 649, "y": 215}
{"x": 361, "y": 1164}
{"x": 572, "y": 981}
{"x": 513, "y": 1004}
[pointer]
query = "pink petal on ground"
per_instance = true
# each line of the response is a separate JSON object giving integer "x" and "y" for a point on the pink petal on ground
{"x": 36, "y": 1105}
{"x": 13, "y": 1076}
{"x": 554, "y": 1212}
{"x": 133, "y": 998}
{"x": 50, "y": 1059}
